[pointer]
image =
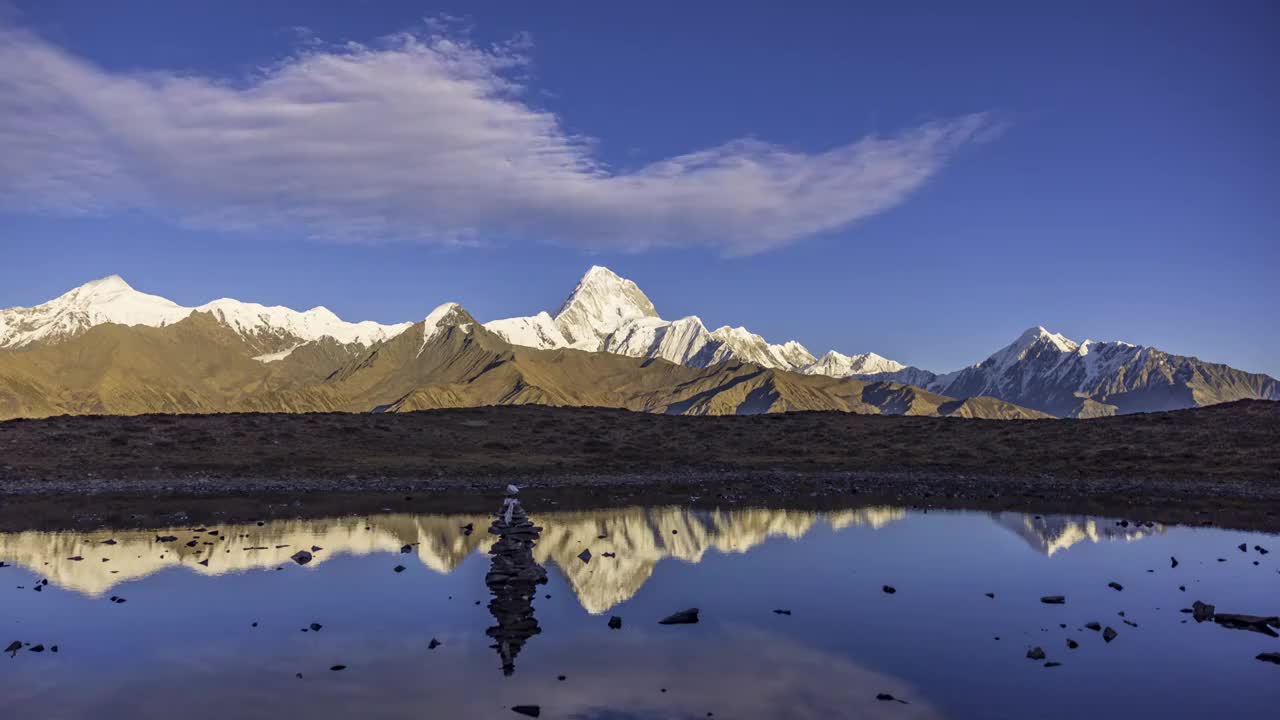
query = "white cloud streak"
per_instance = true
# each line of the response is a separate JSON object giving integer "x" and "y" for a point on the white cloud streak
{"x": 420, "y": 137}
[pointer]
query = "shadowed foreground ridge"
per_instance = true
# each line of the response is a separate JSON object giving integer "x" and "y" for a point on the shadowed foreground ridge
{"x": 1234, "y": 441}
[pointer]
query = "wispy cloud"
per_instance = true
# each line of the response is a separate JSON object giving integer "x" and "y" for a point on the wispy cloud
{"x": 425, "y": 137}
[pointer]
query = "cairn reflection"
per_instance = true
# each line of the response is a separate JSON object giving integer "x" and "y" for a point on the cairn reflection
{"x": 513, "y": 578}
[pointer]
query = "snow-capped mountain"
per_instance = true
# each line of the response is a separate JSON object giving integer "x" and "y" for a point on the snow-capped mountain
{"x": 607, "y": 313}
{"x": 1050, "y": 372}
{"x": 273, "y": 329}
{"x": 107, "y": 300}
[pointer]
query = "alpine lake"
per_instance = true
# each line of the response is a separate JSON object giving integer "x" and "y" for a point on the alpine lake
{"x": 859, "y": 613}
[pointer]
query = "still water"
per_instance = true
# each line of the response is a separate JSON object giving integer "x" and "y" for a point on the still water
{"x": 185, "y": 644}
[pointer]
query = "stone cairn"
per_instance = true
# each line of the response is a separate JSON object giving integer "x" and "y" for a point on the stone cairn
{"x": 513, "y": 579}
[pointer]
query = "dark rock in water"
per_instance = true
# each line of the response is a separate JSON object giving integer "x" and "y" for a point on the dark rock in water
{"x": 615, "y": 622}
{"x": 889, "y": 589}
{"x": 336, "y": 668}
{"x": 1053, "y": 599}
{"x": 297, "y": 675}
{"x": 990, "y": 595}
{"x": 433, "y": 644}
{"x": 302, "y": 557}
{"x": 1109, "y": 634}
{"x": 585, "y": 556}
{"x": 1173, "y": 562}
{"x": 1269, "y": 657}
{"x": 53, "y": 648}
{"x": 1115, "y": 586}
{"x": 886, "y": 697}
{"x": 36, "y": 648}
{"x": 1243, "y": 547}
{"x": 1072, "y": 644}
{"x": 527, "y": 710}
{"x": 1130, "y": 623}
{"x": 684, "y": 617}
{"x": 1261, "y": 550}
{"x": 406, "y": 549}
{"x": 1035, "y": 653}
{"x": 1253, "y": 623}
{"x": 121, "y": 600}
{"x": 398, "y": 568}
{"x": 204, "y": 562}
{"x": 1096, "y": 627}
{"x": 315, "y": 627}
{"x": 316, "y": 548}
{"x": 253, "y": 624}
{"x": 39, "y": 588}
{"x": 1182, "y": 588}
{"x": 1202, "y": 611}
{"x": 1052, "y": 663}
{"x": 13, "y": 648}
{"x": 562, "y": 678}
{"x": 782, "y": 612}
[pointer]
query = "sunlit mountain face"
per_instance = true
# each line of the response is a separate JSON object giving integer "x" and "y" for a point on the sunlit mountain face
{"x": 626, "y": 544}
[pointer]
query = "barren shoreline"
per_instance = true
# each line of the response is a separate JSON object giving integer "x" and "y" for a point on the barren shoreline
{"x": 1218, "y": 465}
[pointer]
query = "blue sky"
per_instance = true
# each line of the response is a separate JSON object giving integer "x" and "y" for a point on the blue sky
{"x": 920, "y": 183}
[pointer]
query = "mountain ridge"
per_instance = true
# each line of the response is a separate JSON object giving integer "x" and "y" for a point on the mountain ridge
{"x": 609, "y": 315}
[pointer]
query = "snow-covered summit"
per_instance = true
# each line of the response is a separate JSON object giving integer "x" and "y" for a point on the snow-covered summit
{"x": 111, "y": 300}
{"x": 105, "y": 300}
{"x": 537, "y": 331}
{"x": 840, "y": 365}
{"x": 249, "y": 318}
{"x": 601, "y": 303}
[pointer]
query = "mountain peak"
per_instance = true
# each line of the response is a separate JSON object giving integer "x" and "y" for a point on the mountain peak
{"x": 1039, "y": 334}
{"x": 601, "y": 303}
{"x": 108, "y": 284}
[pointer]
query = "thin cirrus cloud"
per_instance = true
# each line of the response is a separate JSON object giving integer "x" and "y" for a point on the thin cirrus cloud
{"x": 422, "y": 137}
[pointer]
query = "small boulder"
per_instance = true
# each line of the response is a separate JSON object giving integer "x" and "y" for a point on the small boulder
{"x": 1109, "y": 634}
{"x": 1053, "y": 599}
{"x": 527, "y": 710}
{"x": 889, "y": 589}
{"x": 1270, "y": 657}
{"x": 1115, "y": 586}
{"x": 684, "y": 617}
{"x": 433, "y": 644}
{"x": 302, "y": 557}
{"x": 615, "y": 623}
{"x": 1202, "y": 611}
{"x": 585, "y": 556}
{"x": 1035, "y": 653}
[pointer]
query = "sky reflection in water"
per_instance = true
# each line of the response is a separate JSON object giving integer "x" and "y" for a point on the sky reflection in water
{"x": 184, "y": 638}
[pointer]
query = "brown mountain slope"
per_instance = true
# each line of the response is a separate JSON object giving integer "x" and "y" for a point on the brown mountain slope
{"x": 198, "y": 365}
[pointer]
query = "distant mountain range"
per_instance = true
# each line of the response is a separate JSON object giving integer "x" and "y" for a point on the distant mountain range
{"x": 107, "y": 348}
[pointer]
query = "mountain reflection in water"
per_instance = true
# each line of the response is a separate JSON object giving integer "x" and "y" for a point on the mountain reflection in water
{"x": 459, "y": 616}
{"x": 635, "y": 539}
